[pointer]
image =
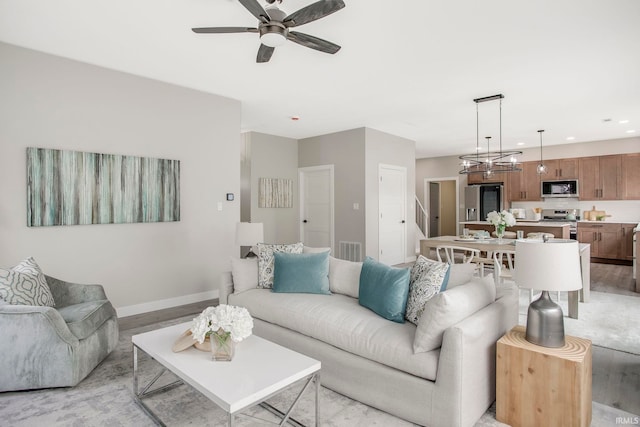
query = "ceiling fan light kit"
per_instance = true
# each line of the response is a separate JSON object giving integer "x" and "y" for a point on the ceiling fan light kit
{"x": 274, "y": 25}
{"x": 273, "y": 33}
{"x": 490, "y": 162}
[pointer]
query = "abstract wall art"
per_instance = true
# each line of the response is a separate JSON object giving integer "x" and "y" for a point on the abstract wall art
{"x": 275, "y": 193}
{"x": 74, "y": 187}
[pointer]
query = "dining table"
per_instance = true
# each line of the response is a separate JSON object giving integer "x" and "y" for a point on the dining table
{"x": 497, "y": 245}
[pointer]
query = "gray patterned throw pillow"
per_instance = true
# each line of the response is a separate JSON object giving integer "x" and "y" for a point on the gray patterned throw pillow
{"x": 25, "y": 284}
{"x": 266, "y": 261}
{"x": 426, "y": 281}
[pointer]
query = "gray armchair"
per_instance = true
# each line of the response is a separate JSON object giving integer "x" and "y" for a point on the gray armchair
{"x": 59, "y": 346}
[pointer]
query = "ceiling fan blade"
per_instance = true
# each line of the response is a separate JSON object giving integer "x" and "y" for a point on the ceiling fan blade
{"x": 264, "y": 53}
{"x": 256, "y": 10}
{"x": 313, "y": 42}
{"x": 223, "y": 30}
{"x": 314, "y": 11}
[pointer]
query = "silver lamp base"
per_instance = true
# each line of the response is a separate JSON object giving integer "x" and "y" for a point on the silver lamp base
{"x": 545, "y": 322}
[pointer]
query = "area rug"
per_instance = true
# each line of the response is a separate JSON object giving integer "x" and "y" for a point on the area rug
{"x": 105, "y": 398}
{"x": 608, "y": 320}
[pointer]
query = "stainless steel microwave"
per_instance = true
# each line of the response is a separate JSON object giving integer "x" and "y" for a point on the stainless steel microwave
{"x": 564, "y": 188}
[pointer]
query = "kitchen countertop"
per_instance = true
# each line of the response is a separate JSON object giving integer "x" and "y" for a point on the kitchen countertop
{"x": 610, "y": 221}
{"x": 528, "y": 223}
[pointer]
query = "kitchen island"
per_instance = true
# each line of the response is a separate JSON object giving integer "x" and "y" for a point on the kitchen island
{"x": 560, "y": 230}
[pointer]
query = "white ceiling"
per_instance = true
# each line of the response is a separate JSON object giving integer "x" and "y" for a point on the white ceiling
{"x": 409, "y": 68}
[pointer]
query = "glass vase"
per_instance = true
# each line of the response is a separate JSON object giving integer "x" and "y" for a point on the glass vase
{"x": 500, "y": 230}
{"x": 222, "y": 346}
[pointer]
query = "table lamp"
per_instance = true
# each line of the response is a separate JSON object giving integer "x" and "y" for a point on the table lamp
{"x": 249, "y": 234}
{"x": 547, "y": 266}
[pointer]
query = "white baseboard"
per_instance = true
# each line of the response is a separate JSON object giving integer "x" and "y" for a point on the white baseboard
{"x": 146, "y": 307}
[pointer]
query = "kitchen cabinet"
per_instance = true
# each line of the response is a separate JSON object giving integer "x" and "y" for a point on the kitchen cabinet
{"x": 631, "y": 176}
{"x": 525, "y": 185}
{"x": 600, "y": 178}
{"x": 605, "y": 239}
{"x": 561, "y": 169}
{"x": 627, "y": 241}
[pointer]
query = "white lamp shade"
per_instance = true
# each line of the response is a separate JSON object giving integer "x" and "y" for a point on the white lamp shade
{"x": 249, "y": 233}
{"x": 551, "y": 266}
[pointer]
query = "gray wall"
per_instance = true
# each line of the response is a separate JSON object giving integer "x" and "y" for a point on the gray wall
{"x": 245, "y": 177}
{"x": 383, "y": 148}
{"x": 356, "y": 155}
{"x": 52, "y": 102}
{"x": 274, "y": 157}
{"x": 344, "y": 150}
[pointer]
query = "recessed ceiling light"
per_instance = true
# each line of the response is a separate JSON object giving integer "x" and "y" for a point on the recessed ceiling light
{"x": 520, "y": 143}
{"x": 571, "y": 138}
{"x": 623, "y": 121}
{"x": 631, "y": 131}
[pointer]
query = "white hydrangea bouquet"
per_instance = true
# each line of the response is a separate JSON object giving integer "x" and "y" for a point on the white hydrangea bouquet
{"x": 501, "y": 220}
{"x": 224, "y": 325}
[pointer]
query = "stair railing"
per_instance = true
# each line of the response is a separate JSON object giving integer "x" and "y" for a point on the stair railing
{"x": 421, "y": 217}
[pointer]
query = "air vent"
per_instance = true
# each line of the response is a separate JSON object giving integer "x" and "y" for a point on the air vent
{"x": 351, "y": 251}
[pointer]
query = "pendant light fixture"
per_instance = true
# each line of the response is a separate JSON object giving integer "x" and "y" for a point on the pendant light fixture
{"x": 489, "y": 161}
{"x": 542, "y": 168}
{"x": 494, "y": 161}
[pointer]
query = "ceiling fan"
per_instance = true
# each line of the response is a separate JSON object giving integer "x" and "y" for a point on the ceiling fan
{"x": 274, "y": 26}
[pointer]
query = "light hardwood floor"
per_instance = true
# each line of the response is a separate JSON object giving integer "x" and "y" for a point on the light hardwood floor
{"x": 616, "y": 374}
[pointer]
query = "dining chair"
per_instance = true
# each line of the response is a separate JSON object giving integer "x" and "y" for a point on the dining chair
{"x": 503, "y": 264}
{"x": 468, "y": 255}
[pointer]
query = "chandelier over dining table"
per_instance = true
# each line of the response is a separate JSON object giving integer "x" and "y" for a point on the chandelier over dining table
{"x": 490, "y": 162}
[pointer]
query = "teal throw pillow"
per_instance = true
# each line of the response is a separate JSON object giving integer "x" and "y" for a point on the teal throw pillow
{"x": 445, "y": 282}
{"x": 301, "y": 273}
{"x": 384, "y": 289}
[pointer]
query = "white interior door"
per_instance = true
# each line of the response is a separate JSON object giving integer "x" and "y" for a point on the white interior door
{"x": 392, "y": 228}
{"x": 316, "y": 207}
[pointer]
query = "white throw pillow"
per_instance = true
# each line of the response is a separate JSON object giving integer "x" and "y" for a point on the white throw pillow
{"x": 450, "y": 307}
{"x": 426, "y": 281}
{"x": 266, "y": 260}
{"x": 344, "y": 277}
{"x": 25, "y": 284}
{"x": 245, "y": 273}
{"x": 459, "y": 274}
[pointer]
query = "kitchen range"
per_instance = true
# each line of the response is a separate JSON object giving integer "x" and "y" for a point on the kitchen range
{"x": 571, "y": 216}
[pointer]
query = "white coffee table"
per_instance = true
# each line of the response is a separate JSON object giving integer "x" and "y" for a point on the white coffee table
{"x": 259, "y": 370}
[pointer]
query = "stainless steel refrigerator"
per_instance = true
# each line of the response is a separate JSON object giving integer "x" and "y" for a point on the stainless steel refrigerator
{"x": 479, "y": 200}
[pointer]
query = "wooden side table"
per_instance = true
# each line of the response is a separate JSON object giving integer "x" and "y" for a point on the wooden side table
{"x": 540, "y": 386}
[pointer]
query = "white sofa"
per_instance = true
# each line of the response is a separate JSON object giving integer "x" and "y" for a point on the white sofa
{"x": 372, "y": 360}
